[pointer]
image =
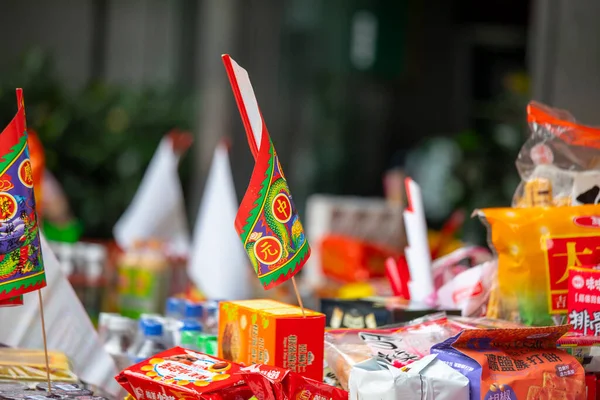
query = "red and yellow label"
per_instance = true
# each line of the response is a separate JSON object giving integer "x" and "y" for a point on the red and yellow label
{"x": 268, "y": 250}
{"x": 282, "y": 208}
{"x": 8, "y": 206}
{"x": 562, "y": 254}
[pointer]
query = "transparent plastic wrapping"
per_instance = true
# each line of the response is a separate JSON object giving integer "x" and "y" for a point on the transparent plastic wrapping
{"x": 396, "y": 346}
{"x": 559, "y": 163}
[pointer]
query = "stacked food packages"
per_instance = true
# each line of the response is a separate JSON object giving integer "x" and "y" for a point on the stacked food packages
{"x": 519, "y": 322}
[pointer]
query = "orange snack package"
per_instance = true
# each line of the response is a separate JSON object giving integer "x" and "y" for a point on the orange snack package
{"x": 511, "y": 364}
{"x": 535, "y": 248}
{"x": 272, "y": 333}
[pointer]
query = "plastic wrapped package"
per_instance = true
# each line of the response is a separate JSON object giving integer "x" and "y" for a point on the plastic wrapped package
{"x": 558, "y": 164}
{"x": 428, "y": 378}
{"x": 30, "y": 365}
{"x": 535, "y": 248}
{"x": 519, "y": 363}
{"x": 183, "y": 374}
{"x": 470, "y": 290}
{"x": 398, "y": 346}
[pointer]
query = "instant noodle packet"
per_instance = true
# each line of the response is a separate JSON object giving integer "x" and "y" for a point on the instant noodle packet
{"x": 183, "y": 374}
{"x": 511, "y": 364}
{"x": 536, "y": 247}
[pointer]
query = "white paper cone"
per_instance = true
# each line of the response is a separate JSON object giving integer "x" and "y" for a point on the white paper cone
{"x": 219, "y": 265}
{"x": 68, "y": 327}
{"x": 417, "y": 253}
{"x": 157, "y": 210}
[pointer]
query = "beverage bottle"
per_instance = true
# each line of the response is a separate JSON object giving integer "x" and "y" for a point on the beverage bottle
{"x": 95, "y": 255}
{"x": 174, "y": 311}
{"x": 143, "y": 277}
{"x": 103, "y": 325}
{"x": 189, "y": 340}
{"x": 207, "y": 344}
{"x": 194, "y": 311}
{"x": 154, "y": 276}
{"x": 189, "y": 332}
{"x": 127, "y": 269}
{"x": 175, "y": 308}
{"x": 79, "y": 277}
{"x": 211, "y": 317}
{"x": 118, "y": 339}
{"x": 139, "y": 337}
{"x": 152, "y": 343}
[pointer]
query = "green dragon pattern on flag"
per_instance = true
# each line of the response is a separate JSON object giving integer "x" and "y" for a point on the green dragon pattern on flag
{"x": 267, "y": 220}
{"x": 21, "y": 265}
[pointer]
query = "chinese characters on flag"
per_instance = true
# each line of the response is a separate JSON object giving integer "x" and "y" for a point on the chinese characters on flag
{"x": 584, "y": 300}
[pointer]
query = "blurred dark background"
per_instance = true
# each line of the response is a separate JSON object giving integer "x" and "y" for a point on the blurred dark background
{"x": 348, "y": 88}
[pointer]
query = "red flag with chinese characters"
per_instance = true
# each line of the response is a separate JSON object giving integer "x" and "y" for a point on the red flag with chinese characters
{"x": 267, "y": 220}
{"x": 21, "y": 264}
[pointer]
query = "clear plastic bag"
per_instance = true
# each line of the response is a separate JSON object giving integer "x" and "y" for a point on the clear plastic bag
{"x": 559, "y": 162}
{"x": 397, "y": 346}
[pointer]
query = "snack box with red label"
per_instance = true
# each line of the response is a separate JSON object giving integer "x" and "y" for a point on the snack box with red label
{"x": 183, "y": 374}
{"x": 272, "y": 333}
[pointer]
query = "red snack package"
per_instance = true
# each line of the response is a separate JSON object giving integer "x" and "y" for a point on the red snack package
{"x": 179, "y": 374}
{"x": 273, "y": 383}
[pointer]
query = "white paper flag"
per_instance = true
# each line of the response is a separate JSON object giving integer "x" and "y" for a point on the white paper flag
{"x": 68, "y": 328}
{"x": 218, "y": 264}
{"x": 157, "y": 210}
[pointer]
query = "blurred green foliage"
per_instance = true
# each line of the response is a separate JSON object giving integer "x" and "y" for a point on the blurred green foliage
{"x": 479, "y": 169}
{"x": 98, "y": 140}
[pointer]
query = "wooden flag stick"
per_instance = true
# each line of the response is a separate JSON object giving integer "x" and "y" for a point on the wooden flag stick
{"x": 45, "y": 341}
{"x": 298, "y": 296}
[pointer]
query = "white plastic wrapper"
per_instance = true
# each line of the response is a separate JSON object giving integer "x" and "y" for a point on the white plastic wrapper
{"x": 469, "y": 291}
{"x": 426, "y": 379}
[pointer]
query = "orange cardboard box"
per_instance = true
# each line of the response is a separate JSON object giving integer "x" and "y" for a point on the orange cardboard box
{"x": 272, "y": 333}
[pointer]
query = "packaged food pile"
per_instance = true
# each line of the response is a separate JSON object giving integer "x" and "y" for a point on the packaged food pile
{"x": 397, "y": 346}
{"x": 522, "y": 320}
{"x": 179, "y": 373}
{"x": 553, "y": 227}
